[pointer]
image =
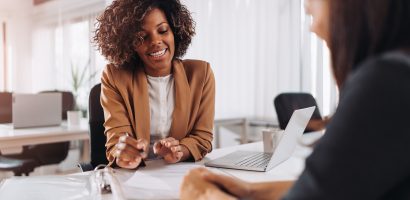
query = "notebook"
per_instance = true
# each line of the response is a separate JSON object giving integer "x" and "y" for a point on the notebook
{"x": 35, "y": 110}
{"x": 260, "y": 161}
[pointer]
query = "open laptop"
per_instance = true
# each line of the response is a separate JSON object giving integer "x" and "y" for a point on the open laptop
{"x": 35, "y": 110}
{"x": 260, "y": 161}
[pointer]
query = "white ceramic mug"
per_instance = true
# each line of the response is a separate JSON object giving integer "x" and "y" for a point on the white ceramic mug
{"x": 73, "y": 118}
{"x": 271, "y": 138}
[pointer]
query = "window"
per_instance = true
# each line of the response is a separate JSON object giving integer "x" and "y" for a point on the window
{"x": 5, "y": 57}
{"x": 2, "y": 52}
{"x": 68, "y": 57}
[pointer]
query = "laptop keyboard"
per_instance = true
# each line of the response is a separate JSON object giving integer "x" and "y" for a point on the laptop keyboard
{"x": 255, "y": 160}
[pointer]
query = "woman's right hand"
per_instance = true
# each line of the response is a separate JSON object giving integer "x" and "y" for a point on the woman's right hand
{"x": 130, "y": 152}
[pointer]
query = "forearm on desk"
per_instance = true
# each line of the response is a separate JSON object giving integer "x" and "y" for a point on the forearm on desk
{"x": 185, "y": 153}
{"x": 198, "y": 144}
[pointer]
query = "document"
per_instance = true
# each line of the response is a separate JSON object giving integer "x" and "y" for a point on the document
{"x": 157, "y": 180}
{"x": 146, "y": 181}
{"x": 160, "y": 176}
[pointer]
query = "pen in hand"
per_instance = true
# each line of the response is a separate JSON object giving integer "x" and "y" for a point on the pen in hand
{"x": 130, "y": 152}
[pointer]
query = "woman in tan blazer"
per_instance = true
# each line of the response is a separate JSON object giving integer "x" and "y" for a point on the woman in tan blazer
{"x": 155, "y": 104}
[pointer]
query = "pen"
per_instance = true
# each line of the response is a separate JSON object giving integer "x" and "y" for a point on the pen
{"x": 111, "y": 162}
{"x": 141, "y": 151}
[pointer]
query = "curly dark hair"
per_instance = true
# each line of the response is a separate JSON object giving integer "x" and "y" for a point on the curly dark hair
{"x": 118, "y": 26}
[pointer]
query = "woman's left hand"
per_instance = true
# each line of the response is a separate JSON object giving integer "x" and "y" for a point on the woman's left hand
{"x": 170, "y": 150}
{"x": 196, "y": 186}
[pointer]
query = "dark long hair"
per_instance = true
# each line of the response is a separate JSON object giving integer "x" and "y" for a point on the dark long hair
{"x": 360, "y": 29}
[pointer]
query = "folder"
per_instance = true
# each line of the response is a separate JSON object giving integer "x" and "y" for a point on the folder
{"x": 91, "y": 185}
{"x": 158, "y": 180}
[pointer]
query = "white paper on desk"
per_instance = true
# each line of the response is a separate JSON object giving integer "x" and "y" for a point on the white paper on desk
{"x": 146, "y": 181}
{"x": 158, "y": 175}
{"x": 157, "y": 180}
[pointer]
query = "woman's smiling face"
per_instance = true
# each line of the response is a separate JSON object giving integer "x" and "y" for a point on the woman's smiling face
{"x": 157, "y": 47}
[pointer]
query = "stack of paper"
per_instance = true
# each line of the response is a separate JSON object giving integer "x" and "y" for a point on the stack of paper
{"x": 157, "y": 180}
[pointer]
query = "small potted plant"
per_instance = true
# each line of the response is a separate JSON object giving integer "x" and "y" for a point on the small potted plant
{"x": 79, "y": 78}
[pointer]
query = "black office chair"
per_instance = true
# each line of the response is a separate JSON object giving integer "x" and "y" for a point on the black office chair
{"x": 18, "y": 166}
{"x": 286, "y": 103}
{"x": 6, "y": 99}
{"x": 97, "y": 136}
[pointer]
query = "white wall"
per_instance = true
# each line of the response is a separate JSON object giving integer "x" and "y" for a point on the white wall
{"x": 17, "y": 14}
{"x": 254, "y": 50}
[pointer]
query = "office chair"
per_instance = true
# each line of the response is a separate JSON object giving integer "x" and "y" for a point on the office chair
{"x": 6, "y": 99}
{"x": 51, "y": 153}
{"x": 286, "y": 103}
{"x": 97, "y": 136}
{"x": 16, "y": 165}
{"x": 67, "y": 103}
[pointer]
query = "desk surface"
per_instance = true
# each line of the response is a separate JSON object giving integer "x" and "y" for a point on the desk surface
{"x": 12, "y": 140}
{"x": 288, "y": 170}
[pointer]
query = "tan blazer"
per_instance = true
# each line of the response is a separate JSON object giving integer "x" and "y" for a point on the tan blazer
{"x": 124, "y": 97}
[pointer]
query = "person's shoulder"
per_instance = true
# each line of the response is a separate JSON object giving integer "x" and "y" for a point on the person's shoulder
{"x": 113, "y": 73}
{"x": 385, "y": 67}
{"x": 114, "y": 70}
{"x": 381, "y": 76}
{"x": 109, "y": 69}
{"x": 391, "y": 62}
{"x": 196, "y": 67}
{"x": 195, "y": 64}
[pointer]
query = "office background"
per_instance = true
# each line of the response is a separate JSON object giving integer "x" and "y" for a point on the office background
{"x": 257, "y": 49}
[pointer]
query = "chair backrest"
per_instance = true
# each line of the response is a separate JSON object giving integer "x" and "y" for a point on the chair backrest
{"x": 6, "y": 99}
{"x": 96, "y": 122}
{"x": 68, "y": 101}
{"x": 52, "y": 153}
{"x": 286, "y": 103}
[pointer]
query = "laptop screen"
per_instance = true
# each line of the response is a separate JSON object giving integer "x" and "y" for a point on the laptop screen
{"x": 33, "y": 110}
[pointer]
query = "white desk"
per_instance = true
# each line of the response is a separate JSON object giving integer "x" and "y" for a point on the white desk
{"x": 239, "y": 121}
{"x": 288, "y": 170}
{"x": 13, "y": 140}
{"x": 244, "y": 123}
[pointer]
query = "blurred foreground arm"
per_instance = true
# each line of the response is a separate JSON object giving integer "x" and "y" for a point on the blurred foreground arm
{"x": 203, "y": 184}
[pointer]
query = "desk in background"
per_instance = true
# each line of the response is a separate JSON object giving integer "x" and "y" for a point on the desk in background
{"x": 245, "y": 123}
{"x": 13, "y": 140}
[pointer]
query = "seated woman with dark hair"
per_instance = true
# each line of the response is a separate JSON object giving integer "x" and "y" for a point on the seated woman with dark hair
{"x": 155, "y": 104}
{"x": 364, "y": 153}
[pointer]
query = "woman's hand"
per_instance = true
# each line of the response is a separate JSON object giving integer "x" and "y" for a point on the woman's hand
{"x": 194, "y": 186}
{"x": 233, "y": 186}
{"x": 202, "y": 184}
{"x": 130, "y": 152}
{"x": 171, "y": 150}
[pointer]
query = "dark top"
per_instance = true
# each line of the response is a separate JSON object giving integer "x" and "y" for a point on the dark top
{"x": 364, "y": 153}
